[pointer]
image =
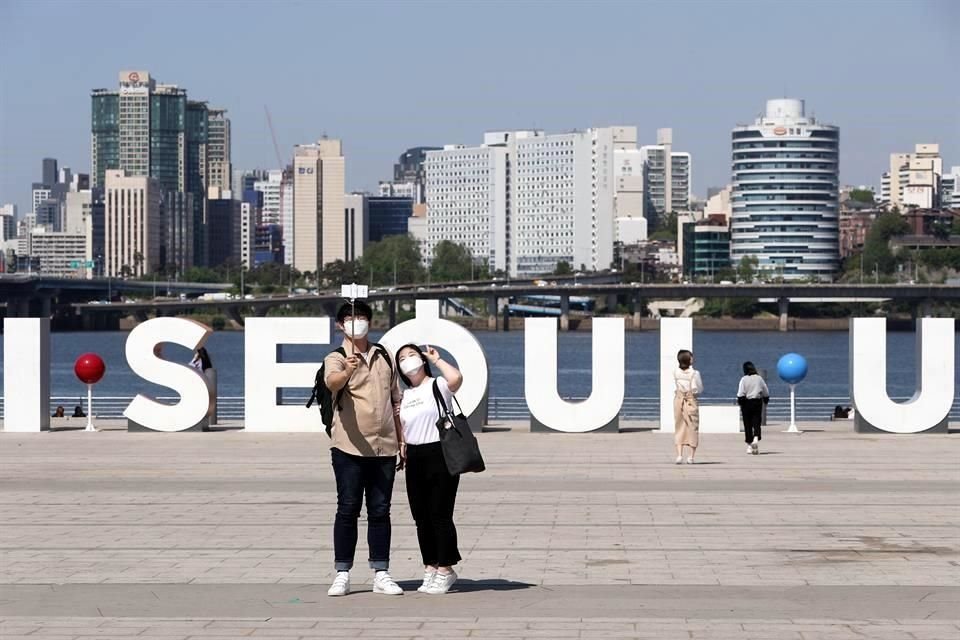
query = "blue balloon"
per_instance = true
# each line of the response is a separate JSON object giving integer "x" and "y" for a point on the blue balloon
{"x": 792, "y": 368}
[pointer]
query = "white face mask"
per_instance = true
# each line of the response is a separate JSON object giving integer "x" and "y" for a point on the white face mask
{"x": 356, "y": 328}
{"x": 411, "y": 364}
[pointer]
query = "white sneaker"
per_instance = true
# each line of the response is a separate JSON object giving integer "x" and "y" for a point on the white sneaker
{"x": 679, "y": 460}
{"x": 442, "y": 583}
{"x": 383, "y": 583}
{"x": 341, "y": 584}
{"x": 690, "y": 460}
{"x": 428, "y": 577}
{"x": 749, "y": 448}
{"x": 756, "y": 441}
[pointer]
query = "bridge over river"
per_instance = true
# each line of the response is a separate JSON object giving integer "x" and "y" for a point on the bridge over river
{"x": 920, "y": 297}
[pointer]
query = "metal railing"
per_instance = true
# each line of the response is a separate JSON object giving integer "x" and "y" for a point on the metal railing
{"x": 500, "y": 408}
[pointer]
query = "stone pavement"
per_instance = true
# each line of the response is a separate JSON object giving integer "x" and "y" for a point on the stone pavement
{"x": 829, "y": 534}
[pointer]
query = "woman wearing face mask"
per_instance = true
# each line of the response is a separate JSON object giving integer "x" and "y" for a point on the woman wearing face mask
{"x": 431, "y": 490}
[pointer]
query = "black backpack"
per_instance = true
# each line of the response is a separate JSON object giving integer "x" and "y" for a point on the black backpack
{"x": 322, "y": 394}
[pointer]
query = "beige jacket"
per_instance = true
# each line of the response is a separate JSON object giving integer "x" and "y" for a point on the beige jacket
{"x": 364, "y": 425}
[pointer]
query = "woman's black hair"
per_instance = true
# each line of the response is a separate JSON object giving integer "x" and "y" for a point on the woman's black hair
{"x": 205, "y": 362}
{"x": 684, "y": 358}
{"x": 749, "y": 369}
{"x": 426, "y": 363}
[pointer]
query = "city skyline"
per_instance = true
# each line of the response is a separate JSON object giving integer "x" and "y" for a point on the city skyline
{"x": 462, "y": 91}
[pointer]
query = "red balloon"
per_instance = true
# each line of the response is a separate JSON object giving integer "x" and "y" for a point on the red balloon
{"x": 89, "y": 368}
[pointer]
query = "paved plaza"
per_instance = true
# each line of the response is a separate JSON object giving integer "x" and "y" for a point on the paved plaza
{"x": 828, "y": 534}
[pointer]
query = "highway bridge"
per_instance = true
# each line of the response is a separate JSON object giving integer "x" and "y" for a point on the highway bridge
{"x": 921, "y": 297}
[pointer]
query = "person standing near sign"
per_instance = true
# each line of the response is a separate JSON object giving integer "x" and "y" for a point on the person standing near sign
{"x": 365, "y": 442}
{"x": 431, "y": 490}
{"x": 751, "y": 396}
{"x": 686, "y": 406}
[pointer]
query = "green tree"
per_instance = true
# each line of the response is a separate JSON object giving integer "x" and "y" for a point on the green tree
{"x": 666, "y": 230}
{"x": 201, "y": 274}
{"x": 877, "y": 255}
{"x": 862, "y": 195}
{"x": 451, "y": 262}
{"x": 563, "y": 268}
{"x": 339, "y": 272}
{"x": 747, "y": 268}
{"x": 393, "y": 260}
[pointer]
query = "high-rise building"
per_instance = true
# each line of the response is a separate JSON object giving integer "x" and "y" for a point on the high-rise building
{"x": 356, "y": 209}
{"x": 704, "y": 247}
{"x": 785, "y": 197}
{"x": 149, "y": 129}
{"x": 950, "y": 189}
{"x": 466, "y": 191}
{"x": 179, "y": 226}
{"x": 8, "y": 222}
{"x": 244, "y": 179}
{"x": 387, "y": 217}
{"x": 60, "y": 254}
{"x": 50, "y": 173}
{"x": 286, "y": 215}
{"x": 525, "y": 201}
{"x": 251, "y": 208}
{"x": 271, "y": 188}
{"x": 224, "y": 214}
{"x": 268, "y": 244}
{"x": 913, "y": 178}
{"x": 219, "y": 170}
{"x": 409, "y": 176}
{"x": 319, "y": 227}
{"x": 667, "y": 178}
{"x": 133, "y": 231}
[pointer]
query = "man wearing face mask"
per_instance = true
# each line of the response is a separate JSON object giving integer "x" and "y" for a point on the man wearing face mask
{"x": 365, "y": 442}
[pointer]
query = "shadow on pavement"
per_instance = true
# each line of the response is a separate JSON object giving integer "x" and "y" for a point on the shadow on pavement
{"x": 464, "y": 585}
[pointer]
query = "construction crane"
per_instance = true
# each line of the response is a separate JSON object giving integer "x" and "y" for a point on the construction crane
{"x": 273, "y": 135}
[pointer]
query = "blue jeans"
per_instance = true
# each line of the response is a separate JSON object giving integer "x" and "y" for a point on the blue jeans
{"x": 358, "y": 476}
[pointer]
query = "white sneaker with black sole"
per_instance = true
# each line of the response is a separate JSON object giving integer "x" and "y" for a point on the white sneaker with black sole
{"x": 442, "y": 583}
{"x": 428, "y": 577}
{"x": 749, "y": 449}
{"x": 383, "y": 583}
{"x": 341, "y": 584}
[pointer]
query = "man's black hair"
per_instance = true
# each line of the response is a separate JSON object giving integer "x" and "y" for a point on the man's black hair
{"x": 359, "y": 309}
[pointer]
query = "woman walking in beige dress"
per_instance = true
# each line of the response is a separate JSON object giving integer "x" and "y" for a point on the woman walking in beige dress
{"x": 686, "y": 406}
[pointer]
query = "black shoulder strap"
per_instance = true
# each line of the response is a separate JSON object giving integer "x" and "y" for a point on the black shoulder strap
{"x": 336, "y": 400}
{"x": 386, "y": 355}
{"x": 438, "y": 399}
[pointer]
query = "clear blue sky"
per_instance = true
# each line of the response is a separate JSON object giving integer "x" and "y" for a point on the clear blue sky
{"x": 387, "y": 76}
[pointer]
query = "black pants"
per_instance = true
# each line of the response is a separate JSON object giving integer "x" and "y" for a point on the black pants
{"x": 358, "y": 476}
{"x": 432, "y": 492}
{"x": 752, "y": 410}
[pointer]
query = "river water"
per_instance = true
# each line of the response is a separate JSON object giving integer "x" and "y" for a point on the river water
{"x": 719, "y": 356}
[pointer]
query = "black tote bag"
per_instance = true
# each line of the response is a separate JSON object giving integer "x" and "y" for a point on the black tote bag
{"x": 461, "y": 451}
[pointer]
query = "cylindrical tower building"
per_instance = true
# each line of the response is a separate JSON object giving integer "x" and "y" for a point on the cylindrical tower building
{"x": 785, "y": 198}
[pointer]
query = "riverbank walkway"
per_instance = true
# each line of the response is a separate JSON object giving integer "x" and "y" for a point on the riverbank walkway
{"x": 825, "y": 535}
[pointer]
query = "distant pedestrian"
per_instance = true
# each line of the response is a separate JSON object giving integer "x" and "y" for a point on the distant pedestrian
{"x": 58, "y": 412}
{"x": 78, "y": 412}
{"x": 686, "y": 406}
{"x": 201, "y": 360}
{"x": 751, "y": 396}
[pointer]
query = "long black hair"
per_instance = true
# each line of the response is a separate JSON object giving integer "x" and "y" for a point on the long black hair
{"x": 205, "y": 362}
{"x": 426, "y": 363}
{"x": 749, "y": 369}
